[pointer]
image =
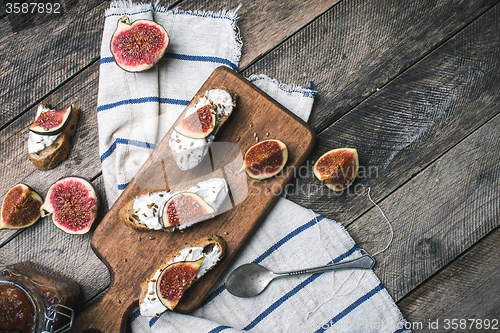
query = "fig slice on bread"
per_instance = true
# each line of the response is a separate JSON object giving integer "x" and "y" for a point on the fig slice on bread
{"x": 51, "y": 122}
{"x": 49, "y": 139}
{"x": 185, "y": 208}
{"x": 196, "y": 128}
{"x": 176, "y": 210}
{"x": 175, "y": 279}
{"x": 166, "y": 285}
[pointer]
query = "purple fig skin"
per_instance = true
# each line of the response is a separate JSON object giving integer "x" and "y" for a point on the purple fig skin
{"x": 52, "y": 122}
{"x": 265, "y": 159}
{"x": 337, "y": 168}
{"x": 137, "y": 46}
{"x": 20, "y": 207}
{"x": 73, "y": 203}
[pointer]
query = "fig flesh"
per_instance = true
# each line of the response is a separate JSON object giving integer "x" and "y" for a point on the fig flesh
{"x": 20, "y": 207}
{"x": 51, "y": 122}
{"x": 137, "y": 46}
{"x": 175, "y": 279}
{"x": 198, "y": 124}
{"x": 184, "y": 208}
{"x": 73, "y": 203}
{"x": 337, "y": 168}
{"x": 265, "y": 159}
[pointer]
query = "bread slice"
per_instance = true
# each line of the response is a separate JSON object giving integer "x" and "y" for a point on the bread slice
{"x": 142, "y": 219}
{"x": 222, "y": 119}
{"x": 128, "y": 216}
{"x": 212, "y": 245}
{"x": 189, "y": 152}
{"x": 51, "y": 156}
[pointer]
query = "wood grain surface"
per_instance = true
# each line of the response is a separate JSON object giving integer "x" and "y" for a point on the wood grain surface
{"x": 413, "y": 120}
{"x": 132, "y": 255}
{"x": 357, "y": 53}
{"x": 471, "y": 279}
{"x": 357, "y": 47}
{"x": 438, "y": 214}
{"x": 47, "y": 56}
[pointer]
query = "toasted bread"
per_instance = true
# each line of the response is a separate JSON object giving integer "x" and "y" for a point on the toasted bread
{"x": 155, "y": 200}
{"x": 188, "y": 151}
{"x": 128, "y": 216}
{"x": 148, "y": 301}
{"x": 222, "y": 119}
{"x": 51, "y": 156}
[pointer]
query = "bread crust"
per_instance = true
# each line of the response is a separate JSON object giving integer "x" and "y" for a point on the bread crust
{"x": 200, "y": 242}
{"x": 222, "y": 120}
{"x": 51, "y": 156}
{"x": 127, "y": 215}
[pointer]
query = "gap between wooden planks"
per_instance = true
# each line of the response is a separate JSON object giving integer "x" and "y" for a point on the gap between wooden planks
{"x": 468, "y": 289}
{"x": 437, "y": 215}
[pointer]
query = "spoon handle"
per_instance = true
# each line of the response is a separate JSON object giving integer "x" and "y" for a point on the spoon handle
{"x": 364, "y": 262}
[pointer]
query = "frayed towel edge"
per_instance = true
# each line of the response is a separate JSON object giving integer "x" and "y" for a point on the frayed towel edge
{"x": 289, "y": 88}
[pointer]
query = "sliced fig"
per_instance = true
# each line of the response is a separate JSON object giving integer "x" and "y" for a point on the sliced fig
{"x": 185, "y": 208}
{"x": 73, "y": 203}
{"x": 137, "y": 46}
{"x": 265, "y": 159}
{"x": 175, "y": 279}
{"x": 51, "y": 122}
{"x": 198, "y": 124}
{"x": 337, "y": 168}
{"x": 20, "y": 207}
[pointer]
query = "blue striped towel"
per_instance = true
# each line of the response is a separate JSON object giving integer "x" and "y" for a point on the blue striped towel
{"x": 135, "y": 110}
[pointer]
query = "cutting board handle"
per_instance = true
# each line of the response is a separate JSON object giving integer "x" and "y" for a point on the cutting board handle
{"x": 108, "y": 315}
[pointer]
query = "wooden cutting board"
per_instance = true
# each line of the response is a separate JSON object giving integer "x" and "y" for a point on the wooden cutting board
{"x": 132, "y": 255}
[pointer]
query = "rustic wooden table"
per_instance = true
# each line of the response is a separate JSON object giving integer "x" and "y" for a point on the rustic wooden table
{"x": 413, "y": 85}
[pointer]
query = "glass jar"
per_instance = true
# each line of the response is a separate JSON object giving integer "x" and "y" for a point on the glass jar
{"x": 34, "y": 300}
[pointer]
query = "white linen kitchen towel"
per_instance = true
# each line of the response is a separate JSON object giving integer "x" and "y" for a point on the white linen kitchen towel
{"x": 135, "y": 110}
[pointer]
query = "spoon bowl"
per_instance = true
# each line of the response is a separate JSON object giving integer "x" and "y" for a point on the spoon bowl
{"x": 249, "y": 280}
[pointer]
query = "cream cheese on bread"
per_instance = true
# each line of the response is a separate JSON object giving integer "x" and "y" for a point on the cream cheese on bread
{"x": 151, "y": 306}
{"x": 189, "y": 152}
{"x": 146, "y": 207}
{"x": 37, "y": 142}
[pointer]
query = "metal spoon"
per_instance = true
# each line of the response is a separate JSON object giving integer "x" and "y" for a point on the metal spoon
{"x": 251, "y": 279}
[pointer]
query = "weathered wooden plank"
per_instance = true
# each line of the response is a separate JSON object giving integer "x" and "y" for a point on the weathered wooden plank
{"x": 357, "y": 47}
{"x": 39, "y": 59}
{"x": 265, "y": 24}
{"x": 466, "y": 289}
{"x": 84, "y": 157}
{"x": 92, "y": 134}
{"x": 436, "y": 215}
{"x": 76, "y": 42}
{"x": 69, "y": 255}
{"x": 411, "y": 121}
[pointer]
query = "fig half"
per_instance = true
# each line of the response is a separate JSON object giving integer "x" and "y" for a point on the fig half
{"x": 20, "y": 207}
{"x": 265, "y": 159}
{"x": 51, "y": 122}
{"x": 185, "y": 208}
{"x": 337, "y": 168}
{"x": 198, "y": 124}
{"x": 175, "y": 279}
{"x": 73, "y": 203}
{"x": 137, "y": 46}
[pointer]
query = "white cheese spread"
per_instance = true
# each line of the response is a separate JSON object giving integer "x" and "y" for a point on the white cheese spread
{"x": 146, "y": 207}
{"x": 151, "y": 306}
{"x": 37, "y": 142}
{"x": 189, "y": 152}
